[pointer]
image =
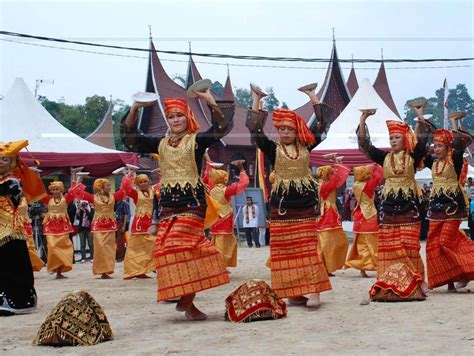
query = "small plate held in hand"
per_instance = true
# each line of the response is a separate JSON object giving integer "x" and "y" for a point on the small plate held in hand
{"x": 307, "y": 87}
{"x": 144, "y": 97}
{"x": 200, "y": 86}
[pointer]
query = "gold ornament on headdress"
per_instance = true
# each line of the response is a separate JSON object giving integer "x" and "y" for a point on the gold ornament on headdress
{"x": 56, "y": 184}
{"x": 141, "y": 177}
{"x": 363, "y": 173}
{"x": 324, "y": 172}
{"x": 99, "y": 184}
{"x": 218, "y": 176}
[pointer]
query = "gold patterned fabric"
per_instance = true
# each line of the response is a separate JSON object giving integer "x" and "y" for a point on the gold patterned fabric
{"x": 397, "y": 284}
{"x": 366, "y": 204}
{"x": 177, "y": 164}
{"x": 10, "y": 225}
{"x": 254, "y": 300}
{"x": 445, "y": 180}
{"x": 77, "y": 320}
{"x": 399, "y": 176}
{"x": 224, "y": 207}
{"x": 292, "y": 172}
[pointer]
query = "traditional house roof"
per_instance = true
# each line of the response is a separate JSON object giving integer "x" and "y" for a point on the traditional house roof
{"x": 383, "y": 90}
{"x": 333, "y": 91}
{"x": 103, "y": 135}
{"x": 153, "y": 118}
{"x": 352, "y": 84}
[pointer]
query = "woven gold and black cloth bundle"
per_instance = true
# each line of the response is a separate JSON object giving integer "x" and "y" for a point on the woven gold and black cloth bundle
{"x": 76, "y": 320}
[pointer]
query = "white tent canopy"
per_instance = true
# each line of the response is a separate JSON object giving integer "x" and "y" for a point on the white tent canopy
{"x": 342, "y": 134}
{"x": 23, "y": 117}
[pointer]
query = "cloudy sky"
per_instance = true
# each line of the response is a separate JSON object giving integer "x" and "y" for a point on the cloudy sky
{"x": 404, "y": 29}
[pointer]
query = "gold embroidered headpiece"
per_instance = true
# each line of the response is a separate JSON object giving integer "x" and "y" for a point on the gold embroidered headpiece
{"x": 363, "y": 173}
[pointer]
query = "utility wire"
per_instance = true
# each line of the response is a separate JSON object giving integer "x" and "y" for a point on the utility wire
{"x": 225, "y": 64}
{"x": 228, "y": 56}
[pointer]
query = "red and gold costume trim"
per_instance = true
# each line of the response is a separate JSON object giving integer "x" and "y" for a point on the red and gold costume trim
{"x": 398, "y": 283}
{"x": 56, "y": 221}
{"x": 296, "y": 268}
{"x": 449, "y": 254}
{"x": 254, "y": 300}
{"x": 399, "y": 244}
{"x": 186, "y": 261}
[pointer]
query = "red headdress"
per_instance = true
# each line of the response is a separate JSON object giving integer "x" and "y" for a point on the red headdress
{"x": 181, "y": 106}
{"x": 400, "y": 127}
{"x": 288, "y": 118}
{"x": 443, "y": 136}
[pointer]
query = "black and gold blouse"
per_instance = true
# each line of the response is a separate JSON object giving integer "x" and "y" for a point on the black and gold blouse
{"x": 401, "y": 195}
{"x": 448, "y": 201}
{"x": 293, "y": 185}
{"x": 181, "y": 188}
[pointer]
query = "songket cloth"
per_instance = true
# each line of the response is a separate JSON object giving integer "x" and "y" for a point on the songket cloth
{"x": 186, "y": 261}
{"x": 296, "y": 268}
{"x": 254, "y": 300}
{"x": 104, "y": 252}
{"x": 226, "y": 244}
{"x": 400, "y": 244}
{"x": 60, "y": 253}
{"x": 77, "y": 320}
{"x": 449, "y": 254}
{"x": 397, "y": 284}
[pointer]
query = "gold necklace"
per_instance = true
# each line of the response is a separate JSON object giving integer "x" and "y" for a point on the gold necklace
{"x": 437, "y": 171}
{"x": 297, "y": 154}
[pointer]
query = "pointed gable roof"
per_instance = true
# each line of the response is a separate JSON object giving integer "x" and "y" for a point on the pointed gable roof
{"x": 352, "y": 84}
{"x": 333, "y": 91}
{"x": 193, "y": 74}
{"x": 153, "y": 119}
{"x": 382, "y": 89}
{"x": 228, "y": 93}
{"x": 103, "y": 135}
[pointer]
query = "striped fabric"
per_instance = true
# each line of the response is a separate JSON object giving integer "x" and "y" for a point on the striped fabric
{"x": 296, "y": 268}
{"x": 186, "y": 261}
{"x": 449, "y": 254}
{"x": 399, "y": 244}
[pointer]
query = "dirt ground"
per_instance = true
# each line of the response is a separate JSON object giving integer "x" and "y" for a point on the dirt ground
{"x": 443, "y": 324}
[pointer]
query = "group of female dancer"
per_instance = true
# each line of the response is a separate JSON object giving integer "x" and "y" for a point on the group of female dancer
{"x": 306, "y": 238}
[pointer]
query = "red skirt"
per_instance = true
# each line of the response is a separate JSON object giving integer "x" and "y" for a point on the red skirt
{"x": 449, "y": 254}
{"x": 399, "y": 244}
{"x": 296, "y": 267}
{"x": 186, "y": 261}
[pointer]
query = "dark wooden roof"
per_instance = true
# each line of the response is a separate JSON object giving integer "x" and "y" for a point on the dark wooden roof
{"x": 352, "y": 84}
{"x": 383, "y": 90}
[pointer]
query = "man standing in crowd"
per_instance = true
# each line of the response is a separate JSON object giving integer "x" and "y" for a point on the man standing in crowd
{"x": 84, "y": 218}
{"x": 250, "y": 222}
{"x": 122, "y": 214}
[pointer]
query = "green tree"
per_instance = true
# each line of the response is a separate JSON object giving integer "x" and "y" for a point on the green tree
{"x": 120, "y": 109}
{"x": 217, "y": 88}
{"x": 284, "y": 106}
{"x": 458, "y": 100}
{"x": 80, "y": 119}
{"x": 270, "y": 102}
{"x": 243, "y": 97}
